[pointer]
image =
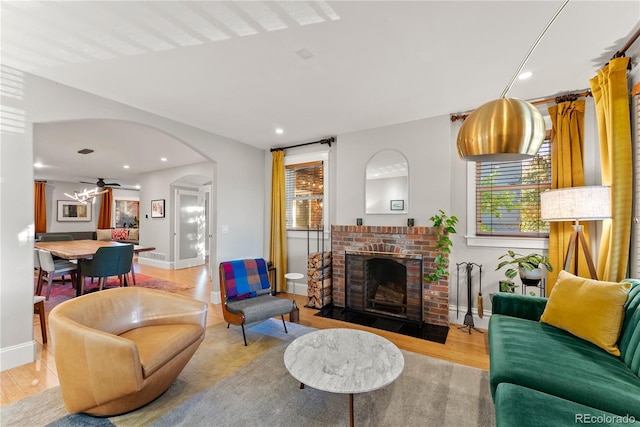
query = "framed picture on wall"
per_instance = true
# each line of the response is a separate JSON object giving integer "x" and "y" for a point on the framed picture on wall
{"x": 73, "y": 211}
{"x": 126, "y": 213}
{"x": 397, "y": 205}
{"x": 157, "y": 208}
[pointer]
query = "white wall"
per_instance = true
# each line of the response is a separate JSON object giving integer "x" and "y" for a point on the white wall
{"x": 238, "y": 196}
{"x": 425, "y": 144}
{"x": 54, "y": 191}
{"x": 16, "y": 234}
{"x": 158, "y": 232}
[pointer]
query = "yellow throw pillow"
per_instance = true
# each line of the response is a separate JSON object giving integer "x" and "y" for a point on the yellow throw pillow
{"x": 590, "y": 309}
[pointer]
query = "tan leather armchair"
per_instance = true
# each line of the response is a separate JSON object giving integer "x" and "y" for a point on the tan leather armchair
{"x": 119, "y": 349}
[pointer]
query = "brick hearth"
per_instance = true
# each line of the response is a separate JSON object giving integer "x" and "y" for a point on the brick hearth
{"x": 418, "y": 240}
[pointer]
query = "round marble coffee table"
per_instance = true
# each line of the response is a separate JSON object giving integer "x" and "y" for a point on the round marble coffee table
{"x": 343, "y": 361}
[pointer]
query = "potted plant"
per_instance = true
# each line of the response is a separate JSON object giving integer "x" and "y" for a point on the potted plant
{"x": 444, "y": 226}
{"x": 528, "y": 266}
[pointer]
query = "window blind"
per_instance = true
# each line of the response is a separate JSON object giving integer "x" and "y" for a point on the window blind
{"x": 304, "y": 187}
{"x": 508, "y": 196}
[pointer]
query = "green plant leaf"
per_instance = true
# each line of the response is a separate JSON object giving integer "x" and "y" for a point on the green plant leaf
{"x": 443, "y": 225}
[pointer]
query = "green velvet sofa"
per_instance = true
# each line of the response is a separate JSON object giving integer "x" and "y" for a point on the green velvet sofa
{"x": 542, "y": 375}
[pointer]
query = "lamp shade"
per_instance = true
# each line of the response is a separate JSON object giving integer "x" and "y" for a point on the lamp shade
{"x": 576, "y": 203}
{"x": 506, "y": 129}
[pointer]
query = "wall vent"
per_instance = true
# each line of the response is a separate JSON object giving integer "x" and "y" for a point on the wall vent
{"x": 154, "y": 255}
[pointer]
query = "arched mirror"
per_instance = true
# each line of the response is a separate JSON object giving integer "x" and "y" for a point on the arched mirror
{"x": 387, "y": 183}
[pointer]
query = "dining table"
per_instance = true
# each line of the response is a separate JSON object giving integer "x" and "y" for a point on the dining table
{"x": 85, "y": 249}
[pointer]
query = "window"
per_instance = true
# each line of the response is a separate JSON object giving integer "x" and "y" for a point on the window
{"x": 304, "y": 187}
{"x": 508, "y": 196}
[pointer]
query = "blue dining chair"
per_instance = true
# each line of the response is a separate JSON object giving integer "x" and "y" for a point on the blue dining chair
{"x": 108, "y": 261}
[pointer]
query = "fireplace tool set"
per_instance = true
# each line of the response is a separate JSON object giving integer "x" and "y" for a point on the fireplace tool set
{"x": 468, "y": 317}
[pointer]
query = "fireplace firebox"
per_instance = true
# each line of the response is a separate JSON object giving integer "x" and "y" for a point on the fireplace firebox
{"x": 384, "y": 284}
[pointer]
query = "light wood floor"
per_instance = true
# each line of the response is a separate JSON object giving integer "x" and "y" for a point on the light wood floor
{"x": 26, "y": 380}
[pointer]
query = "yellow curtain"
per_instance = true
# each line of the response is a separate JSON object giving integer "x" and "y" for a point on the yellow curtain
{"x": 40, "y": 205}
{"x": 104, "y": 220}
{"x": 611, "y": 95}
{"x": 567, "y": 158}
{"x": 278, "y": 246}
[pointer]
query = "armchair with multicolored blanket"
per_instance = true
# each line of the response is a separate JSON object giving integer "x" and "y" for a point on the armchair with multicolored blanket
{"x": 246, "y": 294}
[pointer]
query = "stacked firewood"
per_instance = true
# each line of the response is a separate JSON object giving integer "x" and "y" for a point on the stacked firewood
{"x": 319, "y": 288}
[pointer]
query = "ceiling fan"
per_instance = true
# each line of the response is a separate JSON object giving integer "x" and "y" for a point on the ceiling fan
{"x": 101, "y": 184}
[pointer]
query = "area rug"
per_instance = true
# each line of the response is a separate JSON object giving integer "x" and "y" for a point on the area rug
{"x": 64, "y": 291}
{"x": 228, "y": 384}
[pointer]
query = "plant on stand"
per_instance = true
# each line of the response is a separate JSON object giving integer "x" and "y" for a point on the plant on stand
{"x": 527, "y": 266}
{"x": 444, "y": 225}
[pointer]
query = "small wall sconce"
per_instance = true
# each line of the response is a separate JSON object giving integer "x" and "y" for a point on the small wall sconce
{"x": 410, "y": 222}
{"x": 358, "y": 221}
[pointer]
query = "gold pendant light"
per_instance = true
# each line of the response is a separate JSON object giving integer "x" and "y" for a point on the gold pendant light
{"x": 502, "y": 130}
{"x": 506, "y": 129}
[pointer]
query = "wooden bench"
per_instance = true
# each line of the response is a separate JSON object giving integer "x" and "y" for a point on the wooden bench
{"x": 246, "y": 294}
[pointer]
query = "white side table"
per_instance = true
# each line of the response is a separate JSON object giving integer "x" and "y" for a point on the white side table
{"x": 294, "y": 276}
{"x": 294, "y": 316}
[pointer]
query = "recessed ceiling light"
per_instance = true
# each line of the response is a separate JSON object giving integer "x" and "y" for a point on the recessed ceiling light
{"x": 137, "y": 186}
{"x": 279, "y": 131}
{"x": 525, "y": 75}
{"x": 38, "y": 165}
{"x": 163, "y": 159}
{"x": 126, "y": 166}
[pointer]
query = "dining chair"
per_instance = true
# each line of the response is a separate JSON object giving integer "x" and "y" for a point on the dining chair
{"x": 108, "y": 261}
{"x": 51, "y": 269}
{"x": 36, "y": 266}
{"x": 38, "y": 308}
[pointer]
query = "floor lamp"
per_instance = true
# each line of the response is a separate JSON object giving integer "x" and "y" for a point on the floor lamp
{"x": 576, "y": 204}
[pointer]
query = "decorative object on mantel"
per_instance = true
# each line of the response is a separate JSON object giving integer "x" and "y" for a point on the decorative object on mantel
{"x": 505, "y": 129}
{"x": 587, "y": 203}
{"x": 358, "y": 221}
{"x": 444, "y": 226}
{"x": 410, "y": 222}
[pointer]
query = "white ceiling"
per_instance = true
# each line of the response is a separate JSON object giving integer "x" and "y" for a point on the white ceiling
{"x": 116, "y": 143}
{"x": 236, "y": 68}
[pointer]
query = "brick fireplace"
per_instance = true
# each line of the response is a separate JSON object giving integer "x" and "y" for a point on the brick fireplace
{"x": 401, "y": 244}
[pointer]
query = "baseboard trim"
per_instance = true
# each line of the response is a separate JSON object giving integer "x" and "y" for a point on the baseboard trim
{"x": 478, "y": 322}
{"x": 156, "y": 263}
{"x": 17, "y": 355}
{"x": 215, "y": 297}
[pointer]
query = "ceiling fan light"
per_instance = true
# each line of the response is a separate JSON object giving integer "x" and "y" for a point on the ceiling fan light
{"x": 506, "y": 129}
